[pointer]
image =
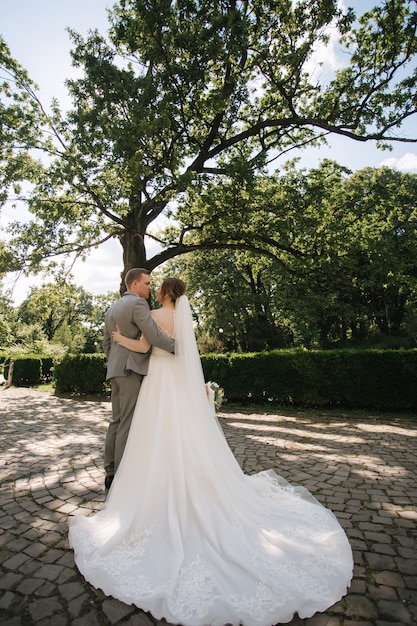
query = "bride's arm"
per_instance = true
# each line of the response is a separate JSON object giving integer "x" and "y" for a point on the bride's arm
{"x": 136, "y": 345}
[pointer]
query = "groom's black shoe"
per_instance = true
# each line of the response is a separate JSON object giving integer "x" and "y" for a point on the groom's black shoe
{"x": 108, "y": 481}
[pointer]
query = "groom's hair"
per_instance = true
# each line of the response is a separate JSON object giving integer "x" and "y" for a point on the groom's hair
{"x": 135, "y": 274}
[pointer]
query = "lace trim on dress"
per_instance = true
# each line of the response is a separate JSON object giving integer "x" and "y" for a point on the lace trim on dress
{"x": 194, "y": 591}
{"x": 193, "y": 595}
{"x": 164, "y": 331}
{"x": 271, "y": 489}
{"x": 120, "y": 558}
{"x": 304, "y": 577}
{"x": 123, "y": 556}
{"x": 264, "y": 600}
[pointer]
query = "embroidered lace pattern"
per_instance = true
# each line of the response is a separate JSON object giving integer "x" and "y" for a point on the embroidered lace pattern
{"x": 194, "y": 593}
{"x": 123, "y": 556}
{"x": 133, "y": 588}
{"x": 262, "y": 602}
{"x": 304, "y": 577}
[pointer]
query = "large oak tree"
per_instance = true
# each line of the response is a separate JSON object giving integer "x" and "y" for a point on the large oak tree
{"x": 181, "y": 92}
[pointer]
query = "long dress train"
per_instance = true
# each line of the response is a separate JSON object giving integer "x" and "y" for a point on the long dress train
{"x": 186, "y": 535}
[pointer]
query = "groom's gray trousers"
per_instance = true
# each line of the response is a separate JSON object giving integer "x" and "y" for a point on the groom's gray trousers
{"x": 124, "y": 394}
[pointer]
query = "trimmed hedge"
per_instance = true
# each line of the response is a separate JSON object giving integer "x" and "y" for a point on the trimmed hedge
{"x": 31, "y": 369}
{"x": 83, "y": 374}
{"x": 351, "y": 379}
{"x": 360, "y": 379}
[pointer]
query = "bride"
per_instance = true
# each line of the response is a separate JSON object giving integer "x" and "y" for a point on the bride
{"x": 185, "y": 534}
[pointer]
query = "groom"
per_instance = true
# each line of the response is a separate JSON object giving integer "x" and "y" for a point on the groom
{"x": 126, "y": 369}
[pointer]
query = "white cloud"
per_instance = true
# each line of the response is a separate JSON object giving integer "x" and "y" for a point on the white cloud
{"x": 325, "y": 59}
{"x": 100, "y": 272}
{"x": 406, "y": 163}
{"x": 330, "y": 57}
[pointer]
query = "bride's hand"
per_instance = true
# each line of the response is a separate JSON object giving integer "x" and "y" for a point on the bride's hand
{"x": 117, "y": 335}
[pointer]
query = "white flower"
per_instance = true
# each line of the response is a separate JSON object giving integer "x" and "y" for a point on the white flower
{"x": 216, "y": 392}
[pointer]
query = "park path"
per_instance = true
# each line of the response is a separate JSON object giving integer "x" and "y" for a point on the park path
{"x": 363, "y": 468}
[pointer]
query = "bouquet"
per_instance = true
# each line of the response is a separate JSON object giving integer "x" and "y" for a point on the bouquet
{"x": 215, "y": 394}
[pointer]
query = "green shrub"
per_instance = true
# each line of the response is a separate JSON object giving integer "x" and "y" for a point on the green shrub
{"x": 83, "y": 374}
{"x": 27, "y": 370}
{"x": 352, "y": 379}
{"x": 361, "y": 379}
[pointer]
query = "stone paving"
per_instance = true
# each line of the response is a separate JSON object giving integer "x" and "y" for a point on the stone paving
{"x": 363, "y": 468}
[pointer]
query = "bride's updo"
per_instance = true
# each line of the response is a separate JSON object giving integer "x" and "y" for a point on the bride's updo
{"x": 173, "y": 288}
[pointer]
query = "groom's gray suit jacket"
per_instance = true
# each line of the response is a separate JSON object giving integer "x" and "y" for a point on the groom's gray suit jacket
{"x": 132, "y": 315}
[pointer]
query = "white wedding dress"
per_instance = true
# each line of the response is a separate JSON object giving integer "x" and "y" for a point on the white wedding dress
{"x": 186, "y": 535}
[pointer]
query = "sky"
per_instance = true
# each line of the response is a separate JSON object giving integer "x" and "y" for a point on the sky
{"x": 36, "y": 33}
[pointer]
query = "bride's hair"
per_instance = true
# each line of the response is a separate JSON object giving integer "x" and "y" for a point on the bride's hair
{"x": 173, "y": 288}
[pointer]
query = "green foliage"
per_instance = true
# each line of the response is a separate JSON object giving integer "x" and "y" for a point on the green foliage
{"x": 362, "y": 379}
{"x": 4, "y": 365}
{"x": 337, "y": 267}
{"x": 29, "y": 370}
{"x": 7, "y": 318}
{"x": 82, "y": 374}
{"x": 181, "y": 93}
{"x": 54, "y": 304}
{"x": 21, "y": 120}
{"x": 59, "y": 317}
{"x": 72, "y": 336}
{"x": 351, "y": 379}
{"x": 232, "y": 297}
{"x": 6, "y": 332}
{"x": 93, "y": 322}
{"x": 28, "y": 338}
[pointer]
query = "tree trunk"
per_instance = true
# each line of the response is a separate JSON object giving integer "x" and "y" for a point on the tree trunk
{"x": 134, "y": 255}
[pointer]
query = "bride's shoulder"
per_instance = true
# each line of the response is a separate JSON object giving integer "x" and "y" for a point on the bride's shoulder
{"x": 156, "y": 313}
{"x": 164, "y": 320}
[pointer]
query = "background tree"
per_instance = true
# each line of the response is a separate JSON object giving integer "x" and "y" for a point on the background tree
{"x": 339, "y": 269}
{"x": 61, "y": 314}
{"x": 231, "y": 294}
{"x": 22, "y": 123}
{"x": 386, "y": 248}
{"x": 54, "y": 304}
{"x": 339, "y": 263}
{"x": 93, "y": 320}
{"x": 7, "y": 319}
{"x": 186, "y": 91}
{"x": 349, "y": 242}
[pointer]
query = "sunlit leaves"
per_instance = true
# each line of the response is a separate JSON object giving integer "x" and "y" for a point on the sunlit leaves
{"x": 383, "y": 66}
{"x": 336, "y": 251}
{"x": 179, "y": 109}
{"x": 21, "y": 121}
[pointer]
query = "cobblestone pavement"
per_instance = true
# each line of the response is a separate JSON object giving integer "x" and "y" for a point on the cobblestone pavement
{"x": 363, "y": 468}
